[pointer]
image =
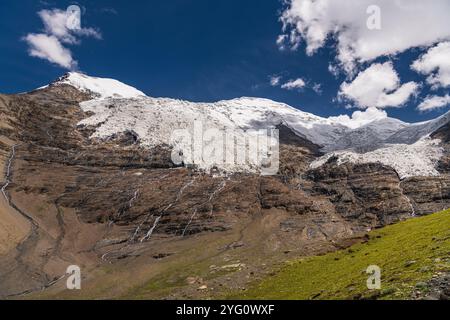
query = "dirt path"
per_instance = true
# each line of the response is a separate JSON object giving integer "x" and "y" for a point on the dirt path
{"x": 62, "y": 233}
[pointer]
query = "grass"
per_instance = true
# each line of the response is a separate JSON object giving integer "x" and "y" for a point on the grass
{"x": 173, "y": 279}
{"x": 408, "y": 253}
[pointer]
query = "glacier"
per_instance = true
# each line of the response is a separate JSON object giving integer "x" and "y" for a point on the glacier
{"x": 369, "y": 136}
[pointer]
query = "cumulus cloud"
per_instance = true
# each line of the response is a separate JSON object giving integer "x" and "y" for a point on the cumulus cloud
{"x": 405, "y": 24}
{"x": 59, "y": 29}
{"x": 293, "y": 84}
{"x": 436, "y": 64}
{"x": 360, "y": 118}
{"x": 434, "y": 102}
{"x": 377, "y": 86}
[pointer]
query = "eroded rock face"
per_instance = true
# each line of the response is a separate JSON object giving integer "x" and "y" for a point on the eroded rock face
{"x": 138, "y": 196}
{"x": 430, "y": 194}
{"x": 370, "y": 194}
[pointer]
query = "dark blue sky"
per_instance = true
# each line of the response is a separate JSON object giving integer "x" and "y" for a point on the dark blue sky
{"x": 199, "y": 50}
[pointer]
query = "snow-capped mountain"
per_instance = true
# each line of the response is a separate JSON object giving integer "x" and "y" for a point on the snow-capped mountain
{"x": 369, "y": 136}
{"x": 88, "y": 162}
{"x": 100, "y": 88}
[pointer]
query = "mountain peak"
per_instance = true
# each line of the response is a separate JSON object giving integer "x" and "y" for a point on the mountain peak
{"x": 102, "y": 88}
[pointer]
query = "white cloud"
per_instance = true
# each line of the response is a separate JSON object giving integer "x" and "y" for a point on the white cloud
{"x": 377, "y": 86}
{"x": 317, "y": 88}
{"x": 275, "y": 81}
{"x": 49, "y": 45}
{"x": 281, "y": 40}
{"x": 361, "y": 118}
{"x": 404, "y": 24}
{"x": 436, "y": 64}
{"x": 56, "y": 23}
{"x": 334, "y": 70}
{"x": 434, "y": 102}
{"x": 293, "y": 84}
{"x": 49, "y": 48}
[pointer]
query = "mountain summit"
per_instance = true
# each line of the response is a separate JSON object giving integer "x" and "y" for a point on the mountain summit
{"x": 100, "y": 88}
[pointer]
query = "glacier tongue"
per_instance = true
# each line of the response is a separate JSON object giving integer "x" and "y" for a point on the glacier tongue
{"x": 408, "y": 160}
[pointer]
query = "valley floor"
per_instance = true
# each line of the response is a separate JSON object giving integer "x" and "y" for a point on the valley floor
{"x": 414, "y": 257}
{"x": 203, "y": 266}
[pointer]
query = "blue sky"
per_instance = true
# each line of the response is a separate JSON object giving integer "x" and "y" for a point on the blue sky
{"x": 199, "y": 50}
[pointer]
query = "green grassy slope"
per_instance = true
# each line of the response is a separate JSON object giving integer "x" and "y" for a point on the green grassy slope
{"x": 407, "y": 253}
